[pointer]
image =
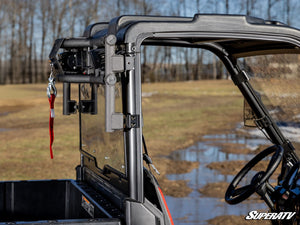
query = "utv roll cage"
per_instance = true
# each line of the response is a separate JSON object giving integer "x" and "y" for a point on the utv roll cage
{"x": 109, "y": 52}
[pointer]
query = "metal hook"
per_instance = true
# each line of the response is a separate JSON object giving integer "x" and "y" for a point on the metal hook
{"x": 51, "y": 85}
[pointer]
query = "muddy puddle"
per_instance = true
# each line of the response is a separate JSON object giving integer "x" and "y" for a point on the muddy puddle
{"x": 4, "y": 129}
{"x": 4, "y": 114}
{"x": 197, "y": 208}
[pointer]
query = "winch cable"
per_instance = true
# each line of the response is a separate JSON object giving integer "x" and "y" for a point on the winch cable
{"x": 51, "y": 93}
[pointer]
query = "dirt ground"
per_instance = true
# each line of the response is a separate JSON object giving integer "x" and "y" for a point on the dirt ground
{"x": 214, "y": 190}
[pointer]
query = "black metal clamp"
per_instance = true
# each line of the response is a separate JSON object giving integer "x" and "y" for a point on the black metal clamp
{"x": 131, "y": 121}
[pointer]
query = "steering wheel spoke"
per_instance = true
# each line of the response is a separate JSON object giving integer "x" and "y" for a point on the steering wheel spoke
{"x": 266, "y": 197}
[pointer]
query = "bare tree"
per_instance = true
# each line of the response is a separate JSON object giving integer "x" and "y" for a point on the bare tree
{"x": 28, "y": 29}
{"x": 147, "y": 9}
{"x": 12, "y": 21}
{"x": 271, "y": 3}
{"x": 288, "y": 12}
{"x": 35, "y": 64}
{"x": 72, "y": 17}
{"x": 44, "y": 18}
{"x": 89, "y": 12}
{"x": 30, "y": 50}
{"x": 57, "y": 14}
{"x": 199, "y": 62}
{"x": 2, "y": 27}
{"x": 227, "y": 6}
{"x": 23, "y": 33}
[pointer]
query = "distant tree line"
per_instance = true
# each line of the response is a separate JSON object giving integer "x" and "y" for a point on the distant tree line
{"x": 28, "y": 29}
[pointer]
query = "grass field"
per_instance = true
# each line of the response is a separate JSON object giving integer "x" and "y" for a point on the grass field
{"x": 175, "y": 116}
{"x": 25, "y": 141}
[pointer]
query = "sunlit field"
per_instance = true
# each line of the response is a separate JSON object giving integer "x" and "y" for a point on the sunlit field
{"x": 175, "y": 115}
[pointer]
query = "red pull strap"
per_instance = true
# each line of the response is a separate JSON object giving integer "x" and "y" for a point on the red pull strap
{"x": 51, "y": 122}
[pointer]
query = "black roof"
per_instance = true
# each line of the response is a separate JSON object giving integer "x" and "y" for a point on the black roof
{"x": 239, "y": 35}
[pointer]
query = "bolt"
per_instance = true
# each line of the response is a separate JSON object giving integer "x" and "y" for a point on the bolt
{"x": 111, "y": 39}
{"x": 111, "y": 79}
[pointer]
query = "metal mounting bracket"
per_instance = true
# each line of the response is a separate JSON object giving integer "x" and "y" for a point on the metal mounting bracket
{"x": 263, "y": 122}
{"x": 131, "y": 121}
{"x": 113, "y": 64}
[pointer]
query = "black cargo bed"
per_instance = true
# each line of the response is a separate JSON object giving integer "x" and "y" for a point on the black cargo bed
{"x": 54, "y": 201}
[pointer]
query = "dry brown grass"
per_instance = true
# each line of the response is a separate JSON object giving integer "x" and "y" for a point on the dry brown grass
{"x": 175, "y": 116}
{"x": 25, "y": 145}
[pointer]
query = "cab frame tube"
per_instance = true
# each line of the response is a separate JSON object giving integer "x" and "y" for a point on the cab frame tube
{"x": 133, "y": 136}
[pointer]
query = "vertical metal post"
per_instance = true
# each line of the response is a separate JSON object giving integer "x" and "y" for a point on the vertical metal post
{"x": 134, "y": 135}
{"x": 94, "y": 98}
{"x": 66, "y": 98}
{"x": 80, "y": 140}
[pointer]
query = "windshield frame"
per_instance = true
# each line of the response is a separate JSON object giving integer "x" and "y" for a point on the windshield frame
{"x": 241, "y": 80}
{"x": 239, "y": 77}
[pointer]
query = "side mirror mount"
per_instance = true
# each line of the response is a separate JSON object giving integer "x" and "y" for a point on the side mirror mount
{"x": 249, "y": 115}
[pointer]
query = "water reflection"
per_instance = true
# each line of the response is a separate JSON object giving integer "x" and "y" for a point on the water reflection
{"x": 196, "y": 208}
{"x": 4, "y": 113}
{"x": 4, "y": 129}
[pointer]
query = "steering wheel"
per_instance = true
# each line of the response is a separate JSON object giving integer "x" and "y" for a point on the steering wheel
{"x": 236, "y": 195}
